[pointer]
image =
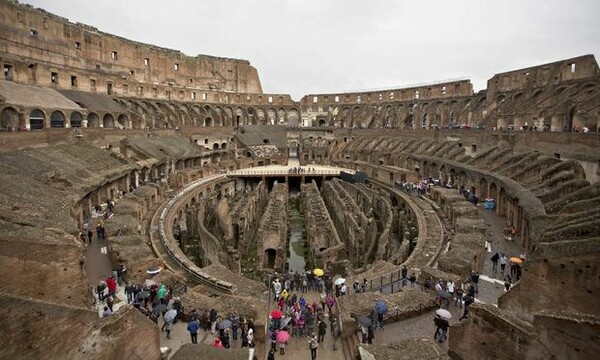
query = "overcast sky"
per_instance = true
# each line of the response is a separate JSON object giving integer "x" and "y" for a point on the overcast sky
{"x": 324, "y": 46}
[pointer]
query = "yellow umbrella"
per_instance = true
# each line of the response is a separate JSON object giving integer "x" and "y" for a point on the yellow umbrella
{"x": 516, "y": 260}
{"x": 318, "y": 272}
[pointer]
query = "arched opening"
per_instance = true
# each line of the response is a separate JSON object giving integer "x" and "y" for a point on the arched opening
{"x": 223, "y": 145}
{"x": 57, "y": 120}
{"x": 123, "y": 121}
{"x": 322, "y": 122}
{"x": 208, "y": 122}
{"x": 36, "y": 119}
{"x": 215, "y": 146}
{"x": 408, "y": 123}
{"x": 93, "y": 120}
{"x": 108, "y": 121}
{"x": 570, "y": 119}
{"x": 483, "y": 188}
{"x": 9, "y": 119}
{"x": 76, "y": 119}
{"x": 270, "y": 256}
{"x": 425, "y": 122}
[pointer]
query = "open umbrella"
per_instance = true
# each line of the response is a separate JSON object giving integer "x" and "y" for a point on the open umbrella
{"x": 143, "y": 294}
{"x": 443, "y": 313}
{"x": 284, "y": 322}
{"x": 318, "y": 272}
{"x": 276, "y": 314}
{"x": 159, "y": 309}
{"x": 282, "y": 336}
{"x": 170, "y": 315}
{"x": 364, "y": 320}
{"x": 516, "y": 260}
{"x": 153, "y": 270}
{"x": 224, "y": 324}
{"x": 381, "y": 307}
{"x": 444, "y": 294}
{"x": 339, "y": 281}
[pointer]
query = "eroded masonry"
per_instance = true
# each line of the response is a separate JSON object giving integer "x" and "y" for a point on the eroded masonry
{"x": 205, "y": 172}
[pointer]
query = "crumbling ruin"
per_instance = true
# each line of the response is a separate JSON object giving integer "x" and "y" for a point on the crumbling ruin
{"x": 94, "y": 117}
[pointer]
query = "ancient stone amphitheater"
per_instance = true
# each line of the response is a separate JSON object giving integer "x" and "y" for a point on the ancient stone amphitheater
{"x": 197, "y": 158}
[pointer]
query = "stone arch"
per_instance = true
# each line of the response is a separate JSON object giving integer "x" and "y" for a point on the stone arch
{"x": 108, "y": 121}
{"x": 93, "y": 120}
{"x": 218, "y": 116}
{"x": 9, "y": 119}
{"x": 281, "y": 119}
{"x": 57, "y": 119}
{"x": 240, "y": 116}
{"x": 37, "y": 119}
{"x": 261, "y": 116}
{"x": 271, "y": 116}
{"x": 483, "y": 188}
{"x": 293, "y": 117}
{"x": 76, "y": 119}
{"x": 409, "y": 122}
{"x": 425, "y": 121}
{"x": 493, "y": 191}
{"x": 123, "y": 121}
{"x": 502, "y": 202}
{"x": 208, "y": 122}
{"x": 342, "y": 118}
{"x": 228, "y": 116}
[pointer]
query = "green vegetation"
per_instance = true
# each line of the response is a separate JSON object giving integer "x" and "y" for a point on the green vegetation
{"x": 298, "y": 247}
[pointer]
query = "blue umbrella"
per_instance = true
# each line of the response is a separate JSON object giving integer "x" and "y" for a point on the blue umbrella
{"x": 381, "y": 307}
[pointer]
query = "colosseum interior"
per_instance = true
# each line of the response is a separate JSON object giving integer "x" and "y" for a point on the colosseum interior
{"x": 221, "y": 186}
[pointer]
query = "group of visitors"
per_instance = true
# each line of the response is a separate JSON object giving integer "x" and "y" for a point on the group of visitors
{"x": 301, "y": 170}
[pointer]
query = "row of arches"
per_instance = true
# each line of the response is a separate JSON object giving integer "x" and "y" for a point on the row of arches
{"x": 405, "y": 115}
{"x": 157, "y": 114}
{"x": 484, "y": 187}
{"x": 12, "y": 119}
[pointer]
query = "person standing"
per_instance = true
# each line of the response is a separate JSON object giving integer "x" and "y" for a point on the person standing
{"x": 322, "y": 331}
{"x": 335, "y": 332}
{"x": 235, "y": 324}
{"x": 495, "y": 259}
{"x": 193, "y": 327}
{"x": 212, "y": 317}
{"x": 475, "y": 281}
{"x": 502, "y": 263}
{"x": 313, "y": 343}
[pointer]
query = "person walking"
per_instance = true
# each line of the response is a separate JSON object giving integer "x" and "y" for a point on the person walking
{"x": 335, "y": 332}
{"x": 503, "y": 261}
{"x": 495, "y": 259}
{"x": 313, "y": 344}
{"x": 193, "y": 327}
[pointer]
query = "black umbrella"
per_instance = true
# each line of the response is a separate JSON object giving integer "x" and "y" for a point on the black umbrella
{"x": 143, "y": 294}
{"x": 444, "y": 294}
{"x": 364, "y": 320}
{"x": 159, "y": 309}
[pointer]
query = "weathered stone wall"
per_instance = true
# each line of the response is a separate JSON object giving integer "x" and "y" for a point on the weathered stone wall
{"x": 325, "y": 245}
{"x": 355, "y": 229}
{"x": 271, "y": 235}
{"x": 98, "y": 59}
{"x": 491, "y": 333}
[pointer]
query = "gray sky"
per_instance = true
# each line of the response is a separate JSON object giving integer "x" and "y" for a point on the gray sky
{"x": 325, "y": 46}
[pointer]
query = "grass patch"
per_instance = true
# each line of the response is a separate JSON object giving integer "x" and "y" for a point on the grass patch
{"x": 298, "y": 247}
